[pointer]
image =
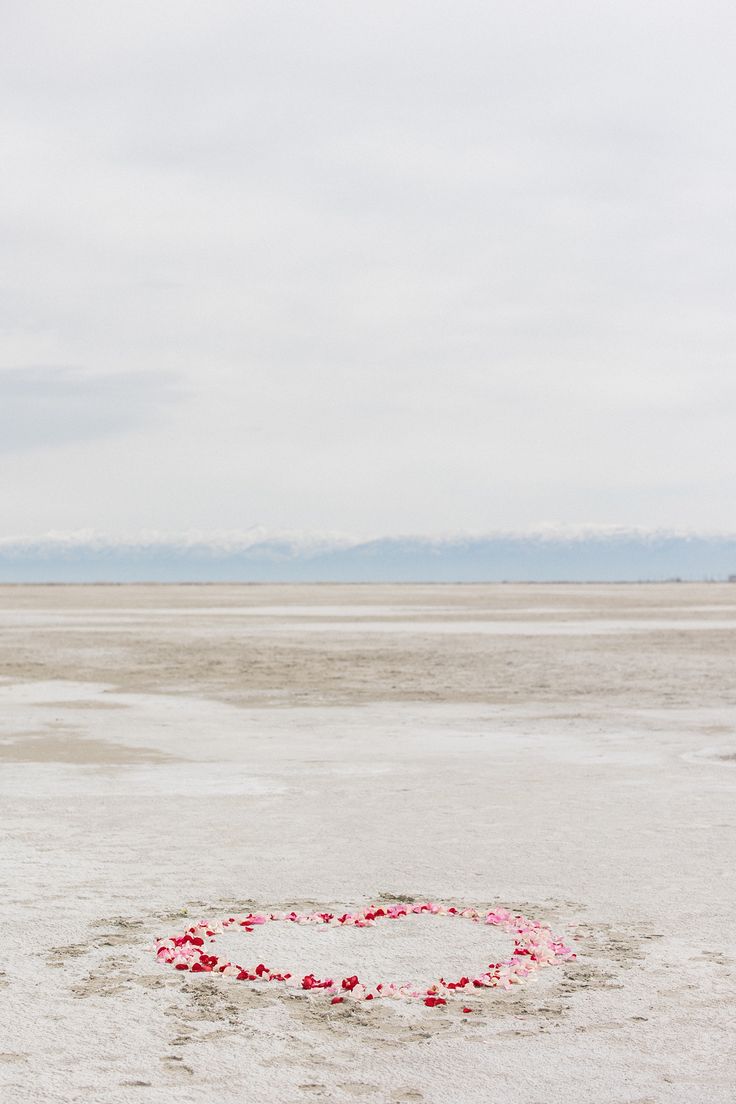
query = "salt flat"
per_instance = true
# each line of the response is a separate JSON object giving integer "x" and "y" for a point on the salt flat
{"x": 175, "y": 752}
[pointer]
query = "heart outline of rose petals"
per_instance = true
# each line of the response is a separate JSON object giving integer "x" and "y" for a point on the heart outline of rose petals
{"x": 535, "y": 946}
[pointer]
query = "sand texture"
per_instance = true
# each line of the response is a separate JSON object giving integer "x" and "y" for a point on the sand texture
{"x": 175, "y": 752}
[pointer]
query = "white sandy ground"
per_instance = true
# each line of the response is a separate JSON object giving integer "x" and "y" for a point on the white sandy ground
{"x": 183, "y": 752}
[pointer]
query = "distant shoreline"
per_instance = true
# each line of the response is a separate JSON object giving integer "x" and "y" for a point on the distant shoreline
{"x": 296, "y": 583}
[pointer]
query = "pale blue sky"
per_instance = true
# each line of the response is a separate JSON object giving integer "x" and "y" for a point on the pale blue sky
{"x": 366, "y": 267}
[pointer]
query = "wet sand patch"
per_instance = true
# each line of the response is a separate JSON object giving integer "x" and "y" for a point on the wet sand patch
{"x": 48, "y": 747}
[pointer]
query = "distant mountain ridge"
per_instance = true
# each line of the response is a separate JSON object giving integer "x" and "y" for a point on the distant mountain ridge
{"x": 580, "y": 554}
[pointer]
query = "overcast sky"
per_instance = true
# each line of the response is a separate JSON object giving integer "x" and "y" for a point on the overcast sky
{"x": 368, "y": 267}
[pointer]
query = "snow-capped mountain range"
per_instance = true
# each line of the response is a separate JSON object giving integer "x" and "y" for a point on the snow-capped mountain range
{"x": 571, "y": 553}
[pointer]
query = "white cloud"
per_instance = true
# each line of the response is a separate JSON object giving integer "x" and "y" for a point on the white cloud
{"x": 44, "y": 408}
{"x": 415, "y": 267}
